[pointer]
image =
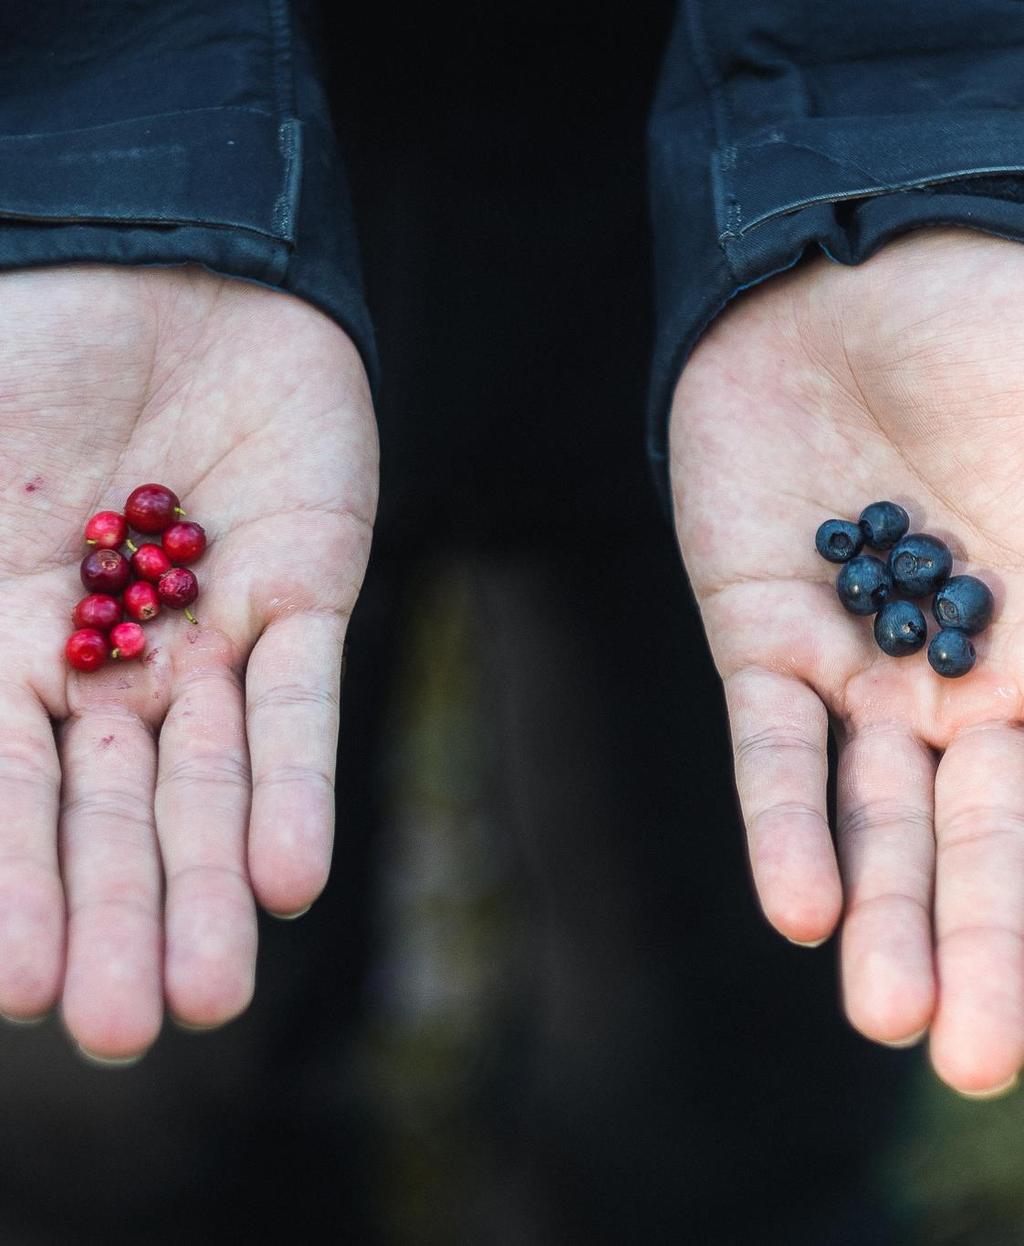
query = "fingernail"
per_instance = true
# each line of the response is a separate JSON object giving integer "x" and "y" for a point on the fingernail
{"x": 910, "y": 1041}
{"x": 24, "y": 1020}
{"x": 290, "y": 917}
{"x": 814, "y": 943}
{"x": 112, "y": 1062}
{"x": 194, "y": 1029}
{"x": 994, "y": 1092}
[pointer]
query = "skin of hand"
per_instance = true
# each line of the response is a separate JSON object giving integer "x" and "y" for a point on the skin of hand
{"x": 822, "y": 390}
{"x": 149, "y": 807}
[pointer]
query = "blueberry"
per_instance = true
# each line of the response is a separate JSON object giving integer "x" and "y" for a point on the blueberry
{"x": 864, "y": 584}
{"x": 920, "y": 564}
{"x": 883, "y": 523}
{"x": 900, "y": 628}
{"x": 838, "y": 540}
{"x": 951, "y": 653}
{"x": 963, "y": 603}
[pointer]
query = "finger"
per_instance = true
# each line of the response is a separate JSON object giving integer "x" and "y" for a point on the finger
{"x": 884, "y": 801}
{"x": 113, "y": 996}
{"x": 779, "y": 731}
{"x": 31, "y": 895}
{"x": 202, "y": 815}
{"x": 977, "y": 1040}
{"x": 292, "y": 685}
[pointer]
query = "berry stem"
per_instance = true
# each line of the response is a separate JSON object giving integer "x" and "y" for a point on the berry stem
{"x": 131, "y": 545}
{"x": 90, "y": 542}
{"x": 179, "y": 511}
{"x": 190, "y": 616}
{"x": 115, "y": 653}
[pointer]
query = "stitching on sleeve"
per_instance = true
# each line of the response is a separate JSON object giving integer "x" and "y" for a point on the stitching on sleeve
{"x": 289, "y": 141}
{"x": 289, "y": 132}
{"x": 723, "y": 157}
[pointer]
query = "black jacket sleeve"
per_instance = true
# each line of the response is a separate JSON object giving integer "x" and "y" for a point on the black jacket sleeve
{"x": 783, "y": 125}
{"x": 174, "y": 131}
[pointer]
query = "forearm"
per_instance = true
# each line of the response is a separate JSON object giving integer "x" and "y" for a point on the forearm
{"x": 168, "y": 134}
{"x": 788, "y": 127}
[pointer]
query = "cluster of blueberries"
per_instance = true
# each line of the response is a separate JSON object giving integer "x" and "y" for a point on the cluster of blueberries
{"x": 918, "y": 565}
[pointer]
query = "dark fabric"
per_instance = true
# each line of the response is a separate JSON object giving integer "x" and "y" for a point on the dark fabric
{"x": 153, "y": 133}
{"x": 787, "y": 126}
{"x": 146, "y": 133}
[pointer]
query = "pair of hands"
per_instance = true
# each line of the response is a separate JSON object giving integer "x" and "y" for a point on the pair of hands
{"x": 149, "y": 808}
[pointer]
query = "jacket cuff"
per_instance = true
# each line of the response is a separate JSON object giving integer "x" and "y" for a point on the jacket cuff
{"x": 163, "y": 156}
{"x": 746, "y": 177}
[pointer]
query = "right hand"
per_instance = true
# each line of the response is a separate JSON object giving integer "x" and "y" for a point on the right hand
{"x": 148, "y": 807}
{"x": 823, "y": 390}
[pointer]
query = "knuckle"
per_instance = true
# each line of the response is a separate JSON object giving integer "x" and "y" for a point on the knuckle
{"x": 981, "y": 932}
{"x": 208, "y": 875}
{"x": 222, "y": 768}
{"x": 877, "y": 815}
{"x": 285, "y": 773}
{"x": 122, "y": 808}
{"x": 292, "y": 696}
{"x": 772, "y": 740}
{"x": 976, "y": 824}
{"x": 762, "y": 820}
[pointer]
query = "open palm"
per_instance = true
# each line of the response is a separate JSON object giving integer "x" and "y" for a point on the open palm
{"x": 149, "y": 806}
{"x": 823, "y": 390}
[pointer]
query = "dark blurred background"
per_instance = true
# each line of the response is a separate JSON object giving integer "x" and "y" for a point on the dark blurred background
{"x": 537, "y": 1003}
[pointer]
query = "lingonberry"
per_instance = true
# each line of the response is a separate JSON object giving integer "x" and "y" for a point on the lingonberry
{"x": 98, "y": 611}
{"x": 951, "y": 653}
{"x": 883, "y": 523}
{"x": 105, "y": 571}
{"x": 178, "y": 589}
{"x": 864, "y": 584}
{"x": 184, "y": 542}
{"x": 149, "y": 562}
{"x": 838, "y": 540}
{"x": 900, "y": 628}
{"x": 128, "y": 640}
{"x": 141, "y": 601}
{"x": 86, "y": 649}
{"x": 151, "y": 508}
{"x": 107, "y": 529}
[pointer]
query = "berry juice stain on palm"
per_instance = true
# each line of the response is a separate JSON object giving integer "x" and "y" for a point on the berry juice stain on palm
{"x": 37, "y": 482}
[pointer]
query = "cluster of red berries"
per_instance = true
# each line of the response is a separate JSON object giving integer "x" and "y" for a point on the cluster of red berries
{"x": 154, "y": 576}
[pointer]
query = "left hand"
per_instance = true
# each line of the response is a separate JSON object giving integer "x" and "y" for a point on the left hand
{"x": 825, "y": 389}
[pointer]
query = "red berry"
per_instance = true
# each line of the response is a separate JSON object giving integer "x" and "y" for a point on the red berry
{"x": 128, "y": 640}
{"x": 152, "y": 508}
{"x": 107, "y": 529}
{"x": 141, "y": 601}
{"x": 105, "y": 571}
{"x": 178, "y": 589}
{"x": 150, "y": 562}
{"x": 86, "y": 649}
{"x": 184, "y": 542}
{"x": 97, "y": 611}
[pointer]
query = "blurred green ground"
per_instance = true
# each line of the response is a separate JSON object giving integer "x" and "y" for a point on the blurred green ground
{"x": 955, "y": 1170}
